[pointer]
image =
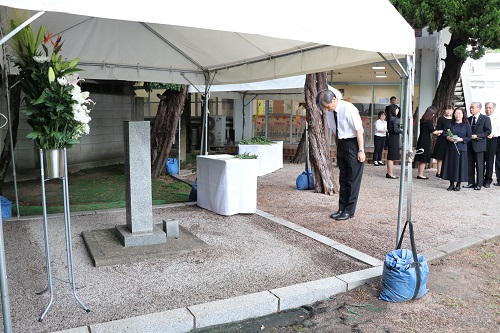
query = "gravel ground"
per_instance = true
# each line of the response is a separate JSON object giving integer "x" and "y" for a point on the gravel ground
{"x": 247, "y": 253}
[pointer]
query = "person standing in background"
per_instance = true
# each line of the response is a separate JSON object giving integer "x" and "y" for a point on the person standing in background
{"x": 440, "y": 148}
{"x": 491, "y": 144}
{"x": 393, "y": 101}
{"x": 481, "y": 128}
{"x": 424, "y": 140}
{"x": 350, "y": 150}
{"x": 455, "y": 160}
{"x": 379, "y": 138}
{"x": 393, "y": 151}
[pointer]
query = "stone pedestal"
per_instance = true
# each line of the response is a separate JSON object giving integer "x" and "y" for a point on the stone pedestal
{"x": 171, "y": 228}
{"x": 139, "y": 229}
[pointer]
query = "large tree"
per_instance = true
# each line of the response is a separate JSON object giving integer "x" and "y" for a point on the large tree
{"x": 164, "y": 127}
{"x": 474, "y": 26}
{"x": 319, "y": 148}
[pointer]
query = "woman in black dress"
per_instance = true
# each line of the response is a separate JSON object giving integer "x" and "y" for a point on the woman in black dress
{"x": 455, "y": 160}
{"x": 424, "y": 140}
{"x": 440, "y": 148}
{"x": 393, "y": 152}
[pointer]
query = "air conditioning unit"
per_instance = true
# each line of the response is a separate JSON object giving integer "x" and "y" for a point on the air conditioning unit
{"x": 217, "y": 131}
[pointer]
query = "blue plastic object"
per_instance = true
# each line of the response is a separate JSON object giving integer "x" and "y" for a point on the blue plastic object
{"x": 399, "y": 276}
{"x": 302, "y": 182}
{"x": 172, "y": 166}
{"x": 6, "y": 207}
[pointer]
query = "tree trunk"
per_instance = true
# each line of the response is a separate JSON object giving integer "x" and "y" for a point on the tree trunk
{"x": 451, "y": 74}
{"x": 300, "y": 153}
{"x": 319, "y": 149}
{"x": 164, "y": 128}
{"x": 15, "y": 103}
{"x": 186, "y": 119}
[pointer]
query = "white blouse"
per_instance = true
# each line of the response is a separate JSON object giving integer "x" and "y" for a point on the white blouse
{"x": 381, "y": 128}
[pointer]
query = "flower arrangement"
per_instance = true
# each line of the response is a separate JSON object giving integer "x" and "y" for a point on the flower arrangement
{"x": 451, "y": 135}
{"x": 57, "y": 109}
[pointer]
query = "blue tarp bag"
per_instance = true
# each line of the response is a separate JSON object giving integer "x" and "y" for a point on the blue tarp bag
{"x": 172, "y": 166}
{"x": 305, "y": 181}
{"x": 402, "y": 279}
{"x": 193, "y": 195}
{"x": 6, "y": 207}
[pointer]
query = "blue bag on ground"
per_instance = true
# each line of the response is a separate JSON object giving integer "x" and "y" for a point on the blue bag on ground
{"x": 302, "y": 181}
{"x": 193, "y": 195}
{"x": 172, "y": 166}
{"x": 6, "y": 207}
{"x": 399, "y": 276}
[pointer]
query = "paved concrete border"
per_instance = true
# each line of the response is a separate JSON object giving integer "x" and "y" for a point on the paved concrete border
{"x": 183, "y": 320}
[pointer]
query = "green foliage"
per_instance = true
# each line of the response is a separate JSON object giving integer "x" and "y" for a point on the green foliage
{"x": 246, "y": 156}
{"x": 257, "y": 140}
{"x": 149, "y": 86}
{"x": 56, "y": 108}
{"x": 475, "y": 23}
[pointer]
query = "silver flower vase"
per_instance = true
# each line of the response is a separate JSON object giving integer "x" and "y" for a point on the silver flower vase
{"x": 53, "y": 163}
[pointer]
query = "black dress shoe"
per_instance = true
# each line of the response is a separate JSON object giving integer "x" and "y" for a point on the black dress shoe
{"x": 477, "y": 188}
{"x": 469, "y": 186}
{"x": 344, "y": 216}
{"x": 497, "y": 184}
{"x": 391, "y": 177}
{"x": 337, "y": 214}
{"x": 486, "y": 185}
{"x": 457, "y": 188}
{"x": 451, "y": 188}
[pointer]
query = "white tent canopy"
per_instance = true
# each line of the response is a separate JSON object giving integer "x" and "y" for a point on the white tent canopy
{"x": 277, "y": 89}
{"x": 216, "y": 42}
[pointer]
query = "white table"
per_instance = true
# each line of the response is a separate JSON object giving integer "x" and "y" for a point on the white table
{"x": 270, "y": 156}
{"x": 227, "y": 185}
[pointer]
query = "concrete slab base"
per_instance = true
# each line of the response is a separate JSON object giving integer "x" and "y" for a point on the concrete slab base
{"x": 105, "y": 248}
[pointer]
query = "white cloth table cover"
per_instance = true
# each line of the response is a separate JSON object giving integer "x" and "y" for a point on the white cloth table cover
{"x": 227, "y": 185}
{"x": 270, "y": 156}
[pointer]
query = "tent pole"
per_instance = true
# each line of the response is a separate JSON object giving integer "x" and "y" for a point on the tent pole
{"x": 9, "y": 121}
{"x": 20, "y": 27}
{"x": 408, "y": 153}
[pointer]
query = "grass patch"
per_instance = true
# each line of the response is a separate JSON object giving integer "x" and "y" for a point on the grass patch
{"x": 90, "y": 189}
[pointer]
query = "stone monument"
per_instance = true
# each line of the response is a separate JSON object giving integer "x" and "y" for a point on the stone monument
{"x": 139, "y": 229}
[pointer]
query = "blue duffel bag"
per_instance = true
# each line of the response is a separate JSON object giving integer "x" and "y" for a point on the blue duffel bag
{"x": 405, "y": 272}
{"x": 305, "y": 181}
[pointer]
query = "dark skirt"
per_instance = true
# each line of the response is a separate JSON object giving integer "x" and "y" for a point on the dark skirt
{"x": 393, "y": 151}
{"x": 439, "y": 149}
{"x": 454, "y": 166}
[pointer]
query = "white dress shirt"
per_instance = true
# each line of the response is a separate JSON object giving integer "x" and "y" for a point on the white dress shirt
{"x": 348, "y": 118}
{"x": 495, "y": 124}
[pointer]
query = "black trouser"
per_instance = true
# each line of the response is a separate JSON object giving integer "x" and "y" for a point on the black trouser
{"x": 497, "y": 158}
{"x": 475, "y": 163}
{"x": 351, "y": 172}
{"x": 379, "y": 142}
{"x": 489, "y": 159}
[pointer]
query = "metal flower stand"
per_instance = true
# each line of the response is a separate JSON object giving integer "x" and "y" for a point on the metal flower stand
{"x": 55, "y": 167}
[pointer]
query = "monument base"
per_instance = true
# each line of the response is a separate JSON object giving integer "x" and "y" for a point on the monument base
{"x": 128, "y": 239}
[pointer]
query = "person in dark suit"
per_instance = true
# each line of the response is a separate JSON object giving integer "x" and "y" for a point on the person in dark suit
{"x": 481, "y": 128}
{"x": 350, "y": 150}
{"x": 491, "y": 146}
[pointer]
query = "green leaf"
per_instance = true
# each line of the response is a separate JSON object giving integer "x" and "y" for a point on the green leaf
{"x": 73, "y": 63}
{"x": 40, "y": 99}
